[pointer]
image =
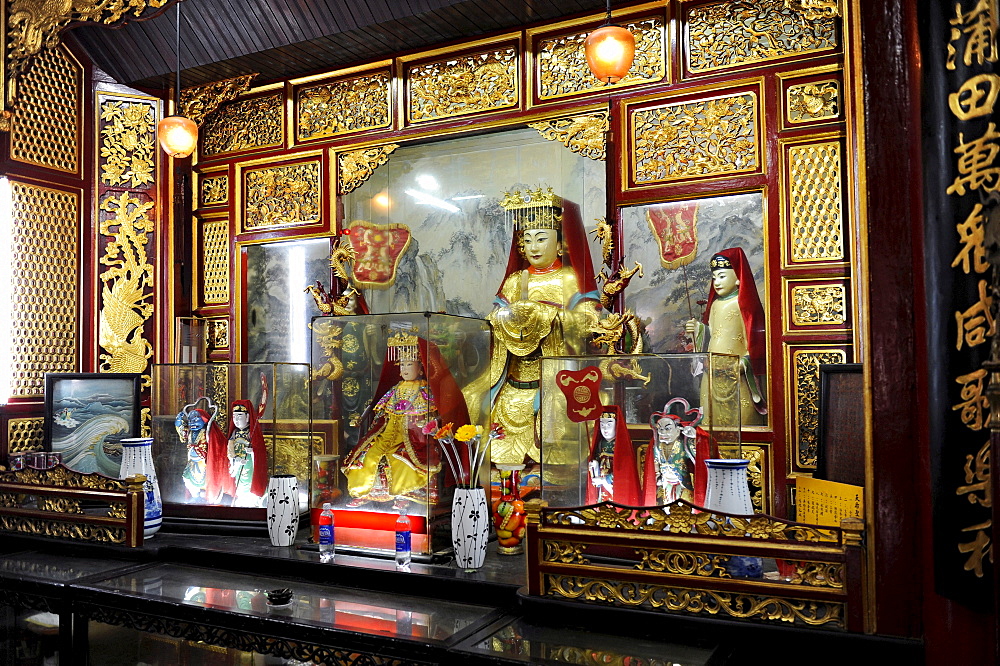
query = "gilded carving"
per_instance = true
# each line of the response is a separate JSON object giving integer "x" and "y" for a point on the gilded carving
{"x": 818, "y": 574}
{"x": 63, "y": 477}
{"x": 127, "y": 284}
{"x": 146, "y": 422}
{"x": 215, "y": 257}
{"x": 736, "y": 32}
{"x": 59, "y": 505}
{"x": 815, "y": 9}
{"x": 56, "y": 528}
{"x": 805, "y": 368}
{"x": 813, "y": 101}
{"x": 464, "y": 84}
{"x": 816, "y": 225}
{"x": 581, "y": 134}
{"x": 244, "y": 125}
{"x": 683, "y": 563}
{"x": 349, "y": 105}
{"x": 819, "y": 304}
{"x": 565, "y": 552}
{"x": 292, "y": 454}
{"x": 710, "y": 137}
{"x": 128, "y": 143}
{"x": 698, "y": 602}
{"x": 282, "y": 195}
{"x": 43, "y": 251}
{"x": 25, "y": 435}
{"x": 357, "y": 166}
{"x": 218, "y": 333}
{"x": 214, "y": 190}
{"x": 45, "y": 129}
{"x": 563, "y": 70}
{"x": 199, "y": 101}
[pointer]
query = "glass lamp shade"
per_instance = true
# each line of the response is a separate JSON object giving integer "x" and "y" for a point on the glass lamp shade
{"x": 610, "y": 50}
{"x": 178, "y": 135}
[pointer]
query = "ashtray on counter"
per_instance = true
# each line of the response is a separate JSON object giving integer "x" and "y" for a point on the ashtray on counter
{"x": 280, "y": 598}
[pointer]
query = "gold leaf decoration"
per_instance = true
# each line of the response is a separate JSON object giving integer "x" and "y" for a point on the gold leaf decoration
{"x": 128, "y": 143}
{"x": 565, "y": 552}
{"x": 736, "y": 32}
{"x": 45, "y": 131}
{"x": 815, "y": 9}
{"x": 199, "y": 101}
{"x": 245, "y": 124}
{"x": 816, "y": 227}
{"x": 127, "y": 283}
{"x": 465, "y": 84}
{"x": 349, "y": 105}
{"x": 55, "y": 528}
{"x": 214, "y": 190}
{"x": 282, "y": 195}
{"x": 562, "y": 65}
{"x": 215, "y": 261}
{"x": 63, "y": 477}
{"x": 819, "y": 304}
{"x": 805, "y": 365}
{"x": 26, "y": 434}
{"x": 702, "y": 138}
{"x": 581, "y": 134}
{"x": 683, "y": 563}
{"x": 813, "y": 101}
{"x": 357, "y": 166}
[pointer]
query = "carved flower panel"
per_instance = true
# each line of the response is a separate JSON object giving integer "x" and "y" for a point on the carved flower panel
{"x": 340, "y": 107}
{"x": 282, "y": 196}
{"x": 817, "y": 305}
{"x": 214, "y": 190}
{"x": 736, "y": 33}
{"x": 461, "y": 85}
{"x": 127, "y": 135}
{"x": 246, "y": 124}
{"x": 803, "y": 407}
{"x": 711, "y": 137}
{"x": 562, "y": 66}
{"x": 809, "y": 102}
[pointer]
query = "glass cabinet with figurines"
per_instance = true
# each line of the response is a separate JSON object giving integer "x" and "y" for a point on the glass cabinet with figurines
{"x": 221, "y": 430}
{"x": 401, "y": 386}
{"x": 635, "y": 429}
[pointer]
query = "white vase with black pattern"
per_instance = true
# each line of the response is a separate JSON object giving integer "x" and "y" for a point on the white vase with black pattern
{"x": 137, "y": 458}
{"x": 282, "y": 502}
{"x": 470, "y": 527}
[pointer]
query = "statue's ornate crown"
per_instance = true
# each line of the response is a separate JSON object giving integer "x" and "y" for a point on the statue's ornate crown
{"x": 533, "y": 209}
{"x": 720, "y": 261}
{"x": 403, "y": 346}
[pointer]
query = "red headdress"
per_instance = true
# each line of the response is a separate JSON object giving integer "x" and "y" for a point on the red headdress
{"x": 258, "y": 483}
{"x": 749, "y": 301}
{"x": 217, "y": 477}
{"x": 624, "y": 467}
{"x": 705, "y": 448}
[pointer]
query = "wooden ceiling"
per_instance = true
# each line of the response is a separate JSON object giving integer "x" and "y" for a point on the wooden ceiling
{"x": 279, "y": 39}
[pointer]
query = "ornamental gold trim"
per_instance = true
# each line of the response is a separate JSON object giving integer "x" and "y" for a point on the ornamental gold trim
{"x": 357, "y": 166}
{"x": 214, "y": 190}
{"x": 809, "y": 612}
{"x": 815, "y": 225}
{"x": 63, "y": 477}
{"x": 565, "y": 552}
{"x": 283, "y": 195}
{"x": 344, "y": 106}
{"x": 245, "y": 124}
{"x": 810, "y": 102}
{"x": 215, "y": 260}
{"x": 561, "y": 66}
{"x": 585, "y": 135}
{"x": 127, "y": 156}
{"x": 199, "y": 101}
{"x": 815, "y": 9}
{"x": 26, "y": 435}
{"x": 127, "y": 283}
{"x": 735, "y": 33}
{"x": 46, "y": 130}
{"x": 819, "y": 304}
{"x": 803, "y": 404}
{"x": 706, "y": 137}
{"x": 56, "y": 528}
{"x": 685, "y": 563}
{"x": 464, "y": 84}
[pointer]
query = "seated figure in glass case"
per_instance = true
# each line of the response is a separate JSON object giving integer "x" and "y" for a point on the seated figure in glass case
{"x": 394, "y": 460}
{"x": 613, "y": 467}
{"x": 247, "y": 455}
{"x": 206, "y": 472}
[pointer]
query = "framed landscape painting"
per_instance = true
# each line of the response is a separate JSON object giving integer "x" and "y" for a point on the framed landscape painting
{"x": 86, "y": 417}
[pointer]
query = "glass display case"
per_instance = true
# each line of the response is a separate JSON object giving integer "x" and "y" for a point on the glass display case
{"x": 635, "y": 429}
{"x": 221, "y": 430}
{"x": 393, "y": 381}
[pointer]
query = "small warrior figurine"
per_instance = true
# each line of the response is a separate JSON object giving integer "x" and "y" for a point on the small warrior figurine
{"x": 674, "y": 467}
{"x": 247, "y": 455}
{"x": 613, "y": 467}
{"x": 206, "y": 473}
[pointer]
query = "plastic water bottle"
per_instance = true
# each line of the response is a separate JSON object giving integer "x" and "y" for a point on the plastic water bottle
{"x": 327, "y": 546}
{"x": 403, "y": 541}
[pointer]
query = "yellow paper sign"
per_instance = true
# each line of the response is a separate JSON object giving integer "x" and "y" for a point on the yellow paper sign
{"x": 820, "y": 502}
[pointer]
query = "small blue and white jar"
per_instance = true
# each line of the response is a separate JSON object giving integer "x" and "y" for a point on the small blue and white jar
{"x": 137, "y": 458}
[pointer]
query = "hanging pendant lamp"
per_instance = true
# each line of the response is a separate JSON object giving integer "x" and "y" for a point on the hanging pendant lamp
{"x": 178, "y": 135}
{"x": 610, "y": 51}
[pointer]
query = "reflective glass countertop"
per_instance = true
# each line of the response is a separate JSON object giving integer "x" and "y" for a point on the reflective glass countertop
{"x": 52, "y": 568}
{"x": 324, "y": 606}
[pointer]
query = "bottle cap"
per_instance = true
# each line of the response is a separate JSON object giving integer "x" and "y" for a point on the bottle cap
{"x": 327, "y": 505}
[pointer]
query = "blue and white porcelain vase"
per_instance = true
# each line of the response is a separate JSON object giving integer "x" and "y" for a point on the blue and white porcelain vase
{"x": 470, "y": 527}
{"x": 137, "y": 458}
{"x": 728, "y": 489}
{"x": 282, "y": 502}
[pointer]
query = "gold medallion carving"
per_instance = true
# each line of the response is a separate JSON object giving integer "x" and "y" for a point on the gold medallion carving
{"x": 464, "y": 84}
{"x": 581, "y": 134}
{"x": 683, "y": 563}
{"x": 805, "y": 366}
{"x": 819, "y": 304}
{"x": 244, "y": 125}
{"x": 562, "y": 65}
{"x": 816, "y": 225}
{"x": 813, "y": 101}
{"x": 565, "y": 552}
{"x": 44, "y": 251}
{"x": 815, "y": 9}
{"x": 127, "y": 283}
{"x": 55, "y": 528}
{"x": 218, "y": 333}
{"x": 282, "y": 196}
{"x": 357, "y": 166}
{"x": 199, "y": 101}
{"x": 349, "y": 105}
{"x": 734, "y": 33}
{"x": 704, "y": 138}
{"x": 25, "y": 435}
{"x": 215, "y": 258}
{"x": 128, "y": 143}
{"x": 214, "y": 190}
{"x": 45, "y": 129}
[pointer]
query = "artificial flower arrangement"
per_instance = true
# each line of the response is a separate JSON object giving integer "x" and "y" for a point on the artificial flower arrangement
{"x": 469, "y": 435}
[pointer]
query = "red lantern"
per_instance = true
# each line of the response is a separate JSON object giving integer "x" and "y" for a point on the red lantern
{"x": 178, "y": 135}
{"x": 610, "y": 50}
